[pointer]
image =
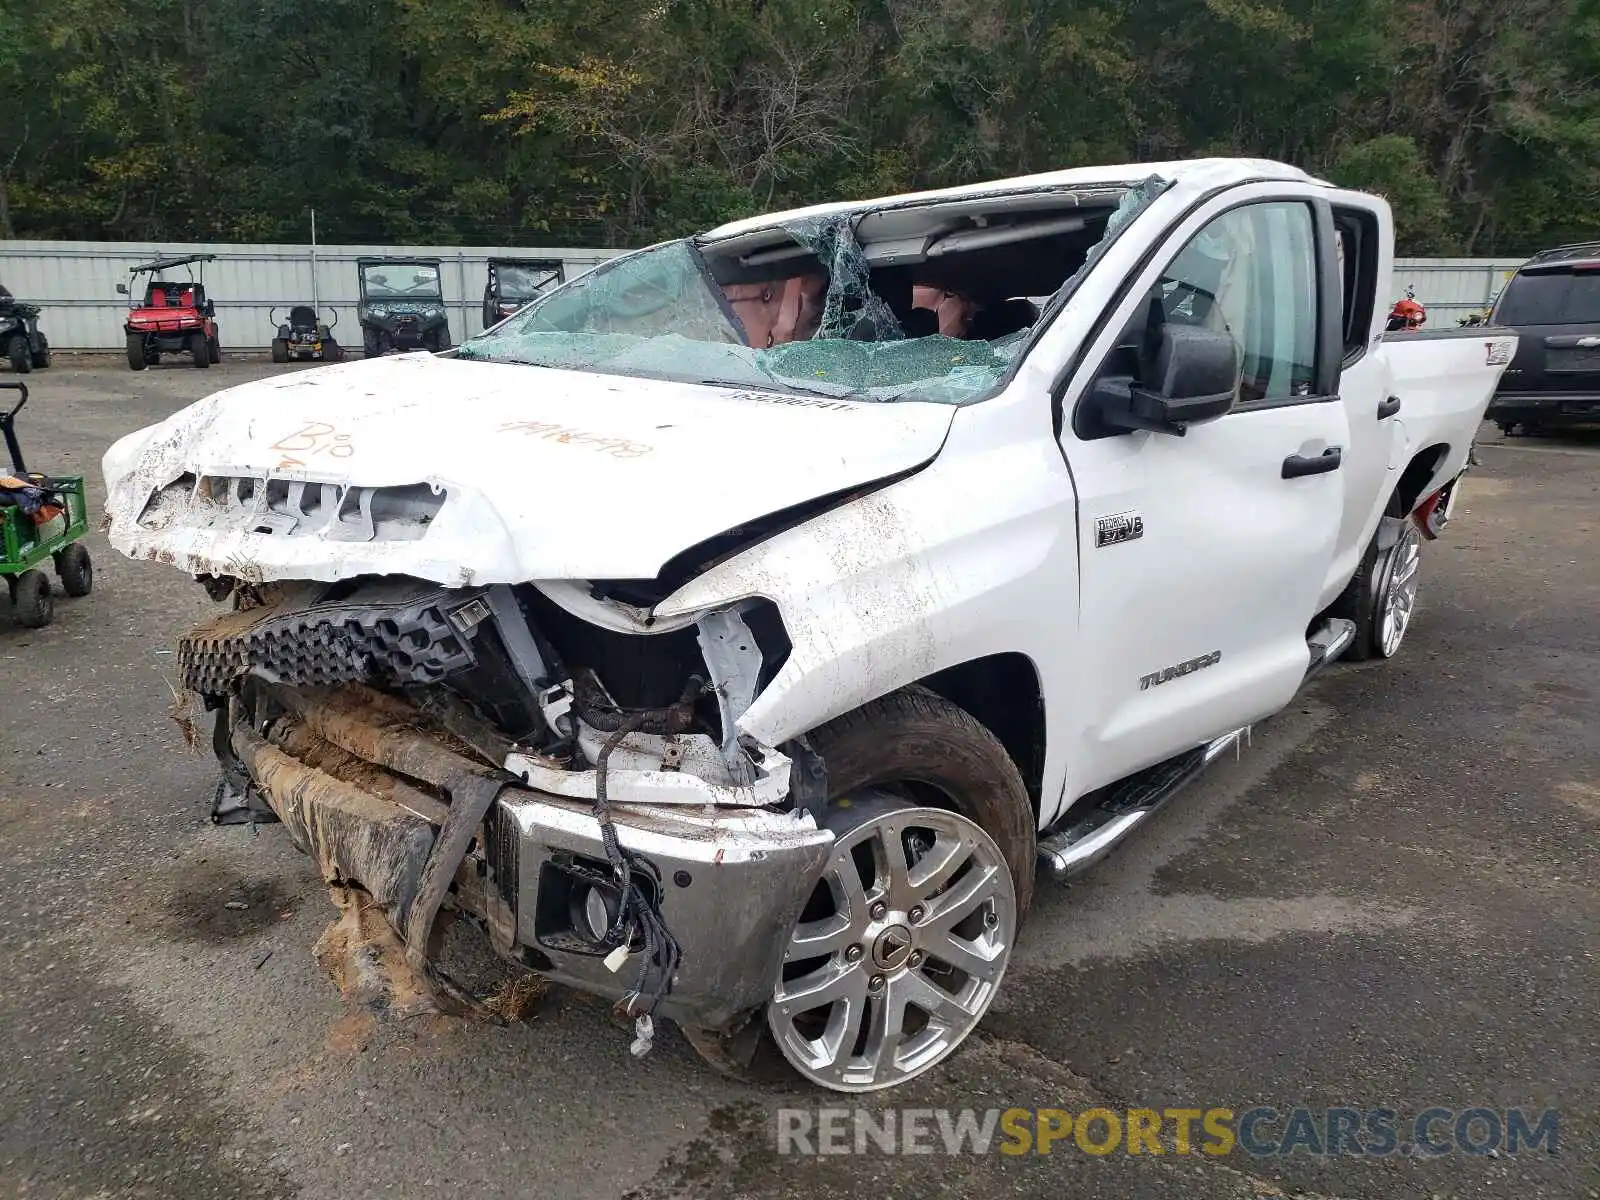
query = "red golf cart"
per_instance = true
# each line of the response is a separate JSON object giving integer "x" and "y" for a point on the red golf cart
{"x": 170, "y": 316}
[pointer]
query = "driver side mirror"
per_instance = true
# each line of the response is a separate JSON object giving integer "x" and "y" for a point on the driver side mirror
{"x": 1193, "y": 376}
{"x": 122, "y": 289}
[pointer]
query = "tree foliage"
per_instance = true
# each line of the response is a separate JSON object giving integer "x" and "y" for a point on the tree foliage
{"x": 615, "y": 122}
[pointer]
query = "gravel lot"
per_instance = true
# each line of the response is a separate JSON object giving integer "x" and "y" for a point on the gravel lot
{"x": 1390, "y": 901}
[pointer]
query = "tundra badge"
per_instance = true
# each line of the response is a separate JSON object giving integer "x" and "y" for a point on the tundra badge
{"x": 1119, "y": 527}
{"x": 1188, "y": 666}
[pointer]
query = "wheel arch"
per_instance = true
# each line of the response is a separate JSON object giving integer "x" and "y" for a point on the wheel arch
{"x": 1418, "y": 474}
{"x": 1004, "y": 693}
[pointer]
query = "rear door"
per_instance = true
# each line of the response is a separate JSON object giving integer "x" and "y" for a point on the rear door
{"x": 1203, "y": 556}
{"x": 1555, "y": 305}
{"x": 1372, "y": 404}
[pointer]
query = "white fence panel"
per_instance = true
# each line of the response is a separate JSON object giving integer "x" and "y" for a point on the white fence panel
{"x": 75, "y": 282}
{"x": 1450, "y": 288}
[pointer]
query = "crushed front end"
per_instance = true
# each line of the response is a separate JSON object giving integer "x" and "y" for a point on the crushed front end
{"x": 579, "y": 793}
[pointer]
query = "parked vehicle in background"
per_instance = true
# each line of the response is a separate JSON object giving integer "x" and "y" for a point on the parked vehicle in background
{"x": 303, "y": 337}
{"x": 401, "y": 305}
{"x": 22, "y": 342}
{"x": 515, "y": 281}
{"x": 1407, "y": 313}
{"x": 719, "y": 643}
{"x": 1553, "y": 301}
{"x": 170, "y": 316}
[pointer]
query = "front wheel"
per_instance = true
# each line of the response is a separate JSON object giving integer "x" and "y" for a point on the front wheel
{"x": 371, "y": 343}
{"x": 900, "y": 952}
{"x": 199, "y": 350}
{"x": 136, "y": 357}
{"x": 215, "y": 346}
{"x": 20, "y": 355}
{"x": 902, "y": 945}
{"x": 33, "y": 607}
{"x": 41, "y": 353}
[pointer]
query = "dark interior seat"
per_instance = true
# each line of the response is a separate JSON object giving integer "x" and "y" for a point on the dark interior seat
{"x": 302, "y": 316}
{"x": 996, "y": 321}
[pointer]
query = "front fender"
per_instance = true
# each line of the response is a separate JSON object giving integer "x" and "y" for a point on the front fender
{"x": 937, "y": 570}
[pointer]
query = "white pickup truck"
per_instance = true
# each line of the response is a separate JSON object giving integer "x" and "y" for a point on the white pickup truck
{"x": 738, "y": 630}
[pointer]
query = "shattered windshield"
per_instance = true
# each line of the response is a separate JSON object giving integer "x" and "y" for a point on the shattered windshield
{"x": 660, "y": 314}
{"x": 526, "y": 282}
{"x": 401, "y": 281}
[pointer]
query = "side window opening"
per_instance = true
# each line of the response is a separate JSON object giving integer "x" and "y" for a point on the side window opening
{"x": 1357, "y": 244}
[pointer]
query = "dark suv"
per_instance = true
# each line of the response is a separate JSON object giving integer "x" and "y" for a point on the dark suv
{"x": 1553, "y": 301}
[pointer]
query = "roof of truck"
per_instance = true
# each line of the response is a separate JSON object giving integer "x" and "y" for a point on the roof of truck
{"x": 1202, "y": 172}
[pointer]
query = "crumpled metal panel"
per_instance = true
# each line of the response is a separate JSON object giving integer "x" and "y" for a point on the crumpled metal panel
{"x": 354, "y": 836}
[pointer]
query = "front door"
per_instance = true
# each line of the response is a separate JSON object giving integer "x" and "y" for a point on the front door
{"x": 1203, "y": 556}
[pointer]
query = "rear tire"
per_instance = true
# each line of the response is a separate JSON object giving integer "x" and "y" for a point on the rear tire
{"x": 21, "y": 356}
{"x": 215, "y": 347}
{"x": 1365, "y": 599}
{"x": 75, "y": 569}
{"x": 33, "y": 605}
{"x": 41, "y": 356}
{"x": 371, "y": 343}
{"x": 199, "y": 350}
{"x": 331, "y": 351}
{"x": 280, "y": 351}
{"x": 136, "y": 357}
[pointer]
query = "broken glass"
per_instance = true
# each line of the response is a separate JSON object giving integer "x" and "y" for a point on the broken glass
{"x": 851, "y": 309}
{"x": 658, "y": 314}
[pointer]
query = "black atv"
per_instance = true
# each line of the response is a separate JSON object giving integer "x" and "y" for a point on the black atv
{"x": 303, "y": 337}
{"x": 21, "y": 339}
{"x": 402, "y": 305}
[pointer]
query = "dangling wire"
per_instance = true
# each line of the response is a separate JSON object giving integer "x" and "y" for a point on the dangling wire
{"x": 636, "y": 911}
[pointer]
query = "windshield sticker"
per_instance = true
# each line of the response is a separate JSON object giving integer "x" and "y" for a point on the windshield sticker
{"x": 551, "y": 432}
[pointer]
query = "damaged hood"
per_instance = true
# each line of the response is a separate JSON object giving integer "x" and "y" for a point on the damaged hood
{"x": 473, "y": 472}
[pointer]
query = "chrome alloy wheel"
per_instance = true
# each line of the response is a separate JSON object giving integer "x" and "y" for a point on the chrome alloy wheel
{"x": 900, "y": 950}
{"x": 1398, "y": 600}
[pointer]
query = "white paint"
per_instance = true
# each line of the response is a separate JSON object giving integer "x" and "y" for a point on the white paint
{"x": 551, "y": 474}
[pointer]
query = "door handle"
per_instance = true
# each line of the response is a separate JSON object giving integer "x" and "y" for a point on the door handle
{"x": 1297, "y": 465}
{"x": 1388, "y": 408}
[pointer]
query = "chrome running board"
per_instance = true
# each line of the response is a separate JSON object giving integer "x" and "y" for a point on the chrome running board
{"x": 1328, "y": 641}
{"x": 1126, "y": 805}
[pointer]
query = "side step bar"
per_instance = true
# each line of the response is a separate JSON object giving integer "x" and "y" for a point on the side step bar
{"x": 1328, "y": 641}
{"x": 1125, "y": 806}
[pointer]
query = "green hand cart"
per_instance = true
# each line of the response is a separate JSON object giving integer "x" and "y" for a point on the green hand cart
{"x": 24, "y": 543}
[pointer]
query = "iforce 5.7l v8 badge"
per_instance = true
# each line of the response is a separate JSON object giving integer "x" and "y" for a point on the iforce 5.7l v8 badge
{"x": 1119, "y": 527}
